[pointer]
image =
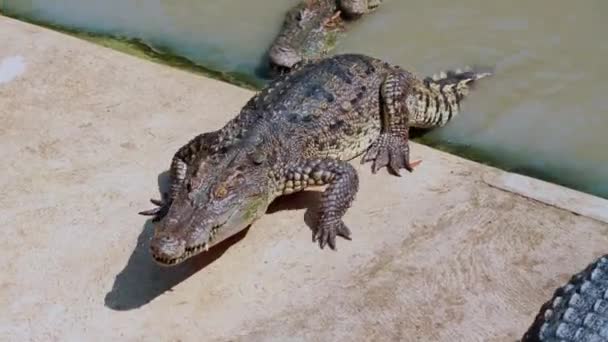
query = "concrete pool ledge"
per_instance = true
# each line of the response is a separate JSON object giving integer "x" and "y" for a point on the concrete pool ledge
{"x": 455, "y": 251}
{"x": 577, "y": 202}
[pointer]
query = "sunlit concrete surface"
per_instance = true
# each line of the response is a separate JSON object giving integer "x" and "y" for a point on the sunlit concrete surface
{"x": 10, "y": 68}
{"x": 86, "y": 133}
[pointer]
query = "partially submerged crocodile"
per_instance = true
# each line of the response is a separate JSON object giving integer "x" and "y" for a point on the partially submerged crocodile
{"x": 311, "y": 28}
{"x": 578, "y": 311}
{"x": 299, "y": 132}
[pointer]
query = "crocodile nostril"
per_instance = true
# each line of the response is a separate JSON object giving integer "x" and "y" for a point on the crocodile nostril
{"x": 164, "y": 240}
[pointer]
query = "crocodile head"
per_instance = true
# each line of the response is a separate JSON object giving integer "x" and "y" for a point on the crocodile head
{"x": 210, "y": 206}
{"x": 357, "y": 8}
{"x": 304, "y": 35}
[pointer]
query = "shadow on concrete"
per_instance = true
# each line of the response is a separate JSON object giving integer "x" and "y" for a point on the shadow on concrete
{"x": 309, "y": 200}
{"x": 142, "y": 280}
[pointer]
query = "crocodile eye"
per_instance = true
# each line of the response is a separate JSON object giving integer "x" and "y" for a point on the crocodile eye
{"x": 220, "y": 192}
{"x": 257, "y": 157}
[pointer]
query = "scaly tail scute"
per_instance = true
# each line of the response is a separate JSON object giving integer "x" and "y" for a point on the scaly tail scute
{"x": 437, "y": 99}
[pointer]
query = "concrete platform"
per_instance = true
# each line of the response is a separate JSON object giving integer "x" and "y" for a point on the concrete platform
{"x": 437, "y": 255}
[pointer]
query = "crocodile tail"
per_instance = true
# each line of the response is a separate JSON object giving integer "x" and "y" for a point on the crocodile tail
{"x": 438, "y": 98}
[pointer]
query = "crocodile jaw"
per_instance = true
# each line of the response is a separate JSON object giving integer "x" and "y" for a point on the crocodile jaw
{"x": 170, "y": 249}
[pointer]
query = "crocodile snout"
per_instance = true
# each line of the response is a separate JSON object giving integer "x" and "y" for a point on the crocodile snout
{"x": 284, "y": 56}
{"x": 167, "y": 249}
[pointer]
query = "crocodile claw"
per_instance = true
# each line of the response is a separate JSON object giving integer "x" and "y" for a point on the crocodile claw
{"x": 392, "y": 151}
{"x": 162, "y": 206}
{"x": 333, "y": 21}
{"x": 159, "y": 203}
{"x": 326, "y": 234}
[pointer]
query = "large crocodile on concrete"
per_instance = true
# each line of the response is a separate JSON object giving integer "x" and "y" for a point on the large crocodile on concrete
{"x": 578, "y": 311}
{"x": 311, "y": 28}
{"x": 299, "y": 132}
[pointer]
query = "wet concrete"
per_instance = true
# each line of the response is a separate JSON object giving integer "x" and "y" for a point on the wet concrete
{"x": 86, "y": 135}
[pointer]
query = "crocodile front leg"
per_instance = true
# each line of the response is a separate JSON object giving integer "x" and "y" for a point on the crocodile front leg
{"x": 391, "y": 148}
{"x": 336, "y": 199}
{"x": 196, "y": 148}
{"x": 333, "y": 21}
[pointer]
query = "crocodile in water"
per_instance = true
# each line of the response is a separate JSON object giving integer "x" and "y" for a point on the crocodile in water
{"x": 311, "y": 28}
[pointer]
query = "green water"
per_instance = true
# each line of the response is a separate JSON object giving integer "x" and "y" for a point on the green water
{"x": 543, "y": 114}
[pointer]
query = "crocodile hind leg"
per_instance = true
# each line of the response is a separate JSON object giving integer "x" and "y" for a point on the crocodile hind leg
{"x": 391, "y": 148}
{"x": 177, "y": 172}
{"x": 343, "y": 184}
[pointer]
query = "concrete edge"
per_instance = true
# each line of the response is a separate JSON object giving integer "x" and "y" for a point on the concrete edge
{"x": 558, "y": 196}
{"x": 141, "y": 50}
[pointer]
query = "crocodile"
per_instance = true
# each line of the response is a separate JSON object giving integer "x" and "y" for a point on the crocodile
{"x": 299, "y": 132}
{"x": 577, "y": 311}
{"x": 311, "y": 28}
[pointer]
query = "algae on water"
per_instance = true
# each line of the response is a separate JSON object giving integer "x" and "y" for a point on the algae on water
{"x": 140, "y": 48}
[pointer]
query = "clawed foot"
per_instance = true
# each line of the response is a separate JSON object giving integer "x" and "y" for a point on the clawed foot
{"x": 327, "y": 231}
{"x": 333, "y": 21}
{"x": 392, "y": 151}
{"x": 162, "y": 206}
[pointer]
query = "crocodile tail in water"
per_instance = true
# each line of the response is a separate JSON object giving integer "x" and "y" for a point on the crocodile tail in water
{"x": 437, "y": 99}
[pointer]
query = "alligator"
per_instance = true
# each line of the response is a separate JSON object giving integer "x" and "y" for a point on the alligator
{"x": 311, "y": 28}
{"x": 299, "y": 132}
{"x": 577, "y": 311}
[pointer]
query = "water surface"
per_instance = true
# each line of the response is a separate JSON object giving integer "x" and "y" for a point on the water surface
{"x": 544, "y": 112}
